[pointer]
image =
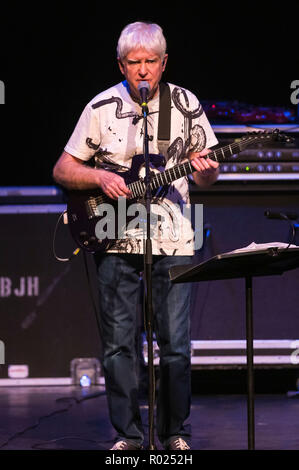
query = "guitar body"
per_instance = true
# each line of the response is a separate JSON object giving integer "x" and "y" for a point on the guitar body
{"x": 82, "y": 206}
{"x": 81, "y": 225}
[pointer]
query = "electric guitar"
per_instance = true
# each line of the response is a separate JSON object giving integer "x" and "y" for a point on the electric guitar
{"x": 83, "y": 207}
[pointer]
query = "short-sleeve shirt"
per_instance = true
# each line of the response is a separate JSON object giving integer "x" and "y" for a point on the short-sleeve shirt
{"x": 111, "y": 129}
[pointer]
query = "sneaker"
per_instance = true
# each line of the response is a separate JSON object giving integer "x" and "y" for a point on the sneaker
{"x": 178, "y": 444}
{"x": 124, "y": 445}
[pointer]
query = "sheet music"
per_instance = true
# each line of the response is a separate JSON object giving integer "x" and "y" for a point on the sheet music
{"x": 262, "y": 246}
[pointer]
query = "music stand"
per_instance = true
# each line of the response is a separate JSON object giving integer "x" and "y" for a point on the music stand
{"x": 242, "y": 264}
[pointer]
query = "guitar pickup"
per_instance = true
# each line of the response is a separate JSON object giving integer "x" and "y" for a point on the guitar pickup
{"x": 91, "y": 208}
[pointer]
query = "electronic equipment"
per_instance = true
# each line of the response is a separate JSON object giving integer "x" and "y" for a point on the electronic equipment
{"x": 261, "y": 163}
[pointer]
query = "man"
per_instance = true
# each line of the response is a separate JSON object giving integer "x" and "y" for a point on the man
{"x": 110, "y": 129}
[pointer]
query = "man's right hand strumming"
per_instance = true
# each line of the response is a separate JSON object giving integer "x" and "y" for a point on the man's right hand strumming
{"x": 113, "y": 185}
{"x": 71, "y": 173}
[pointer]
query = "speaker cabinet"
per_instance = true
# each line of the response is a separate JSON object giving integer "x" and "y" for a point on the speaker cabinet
{"x": 47, "y": 313}
{"x": 233, "y": 219}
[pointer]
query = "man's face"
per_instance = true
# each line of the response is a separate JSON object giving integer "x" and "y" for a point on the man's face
{"x": 142, "y": 64}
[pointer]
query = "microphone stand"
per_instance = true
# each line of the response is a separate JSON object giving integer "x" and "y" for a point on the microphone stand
{"x": 148, "y": 286}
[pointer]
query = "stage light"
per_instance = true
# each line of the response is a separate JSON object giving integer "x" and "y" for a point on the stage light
{"x": 85, "y": 381}
{"x": 85, "y": 371}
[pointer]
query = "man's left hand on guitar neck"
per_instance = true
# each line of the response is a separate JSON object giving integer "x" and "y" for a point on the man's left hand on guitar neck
{"x": 207, "y": 170}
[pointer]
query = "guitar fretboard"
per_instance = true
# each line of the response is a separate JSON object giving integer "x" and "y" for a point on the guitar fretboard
{"x": 179, "y": 171}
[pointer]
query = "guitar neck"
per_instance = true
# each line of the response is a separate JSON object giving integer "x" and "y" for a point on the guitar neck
{"x": 184, "y": 169}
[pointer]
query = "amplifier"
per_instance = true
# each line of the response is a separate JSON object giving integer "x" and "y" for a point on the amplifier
{"x": 263, "y": 160}
{"x": 47, "y": 313}
{"x": 31, "y": 195}
{"x": 263, "y": 169}
{"x": 267, "y": 154}
{"x": 218, "y": 315}
{"x": 270, "y": 161}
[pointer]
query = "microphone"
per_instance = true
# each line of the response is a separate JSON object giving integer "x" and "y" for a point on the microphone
{"x": 143, "y": 88}
{"x": 281, "y": 215}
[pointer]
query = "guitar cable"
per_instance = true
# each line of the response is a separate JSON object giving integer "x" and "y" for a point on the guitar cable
{"x": 291, "y": 218}
{"x": 75, "y": 252}
{"x": 69, "y": 400}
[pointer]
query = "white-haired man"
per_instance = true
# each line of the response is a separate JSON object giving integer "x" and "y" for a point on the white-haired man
{"x": 110, "y": 129}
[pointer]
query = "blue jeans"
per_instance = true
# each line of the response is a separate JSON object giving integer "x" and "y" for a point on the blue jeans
{"x": 119, "y": 284}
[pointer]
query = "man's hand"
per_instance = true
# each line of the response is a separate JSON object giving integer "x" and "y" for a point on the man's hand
{"x": 205, "y": 166}
{"x": 113, "y": 185}
{"x": 71, "y": 173}
{"x": 207, "y": 170}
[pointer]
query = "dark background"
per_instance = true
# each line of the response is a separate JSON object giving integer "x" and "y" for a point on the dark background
{"x": 56, "y": 57}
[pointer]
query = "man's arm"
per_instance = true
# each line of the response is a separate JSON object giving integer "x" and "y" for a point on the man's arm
{"x": 207, "y": 170}
{"x": 71, "y": 173}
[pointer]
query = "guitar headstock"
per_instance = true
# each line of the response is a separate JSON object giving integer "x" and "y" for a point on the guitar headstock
{"x": 263, "y": 136}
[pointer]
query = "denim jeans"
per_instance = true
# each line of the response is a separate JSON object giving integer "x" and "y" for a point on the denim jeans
{"x": 119, "y": 284}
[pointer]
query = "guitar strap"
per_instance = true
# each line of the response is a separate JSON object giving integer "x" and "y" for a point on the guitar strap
{"x": 164, "y": 119}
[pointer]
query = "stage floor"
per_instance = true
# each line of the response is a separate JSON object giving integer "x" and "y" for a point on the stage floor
{"x": 69, "y": 417}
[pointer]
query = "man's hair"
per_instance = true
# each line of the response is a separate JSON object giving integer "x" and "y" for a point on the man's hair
{"x": 141, "y": 34}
